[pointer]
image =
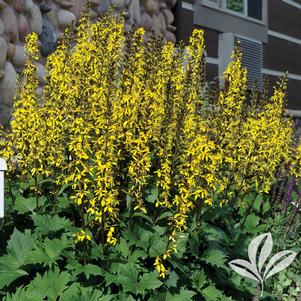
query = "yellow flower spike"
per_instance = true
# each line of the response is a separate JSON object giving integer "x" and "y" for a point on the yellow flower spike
{"x": 160, "y": 267}
{"x": 110, "y": 236}
{"x": 81, "y": 236}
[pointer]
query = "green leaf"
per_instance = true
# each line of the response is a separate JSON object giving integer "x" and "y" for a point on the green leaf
{"x": 142, "y": 215}
{"x": 164, "y": 216}
{"x": 19, "y": 245}
{"x": 266, "y": 207}
{"x": 21, "y": 294}
{"x": 78, "y": 293}
{"x": 24, "y": 205}
{"x": 63, "y": 188}
{"x": 18, "y": 248}
{"x": 51, "y": 285}
{"x": 251, "y": 223}
{"x": 184, "y": 295}
{"x": 123, "y": 247}
{"x": 127, "y": 277}
{"x": 46, "y": 224}
{"x": 181, "y": 245}
{"x": 213, "y": 233}
{"x": 215, "y": 257}
{"x": 88, "y": 270}
{"x": 172, "y": 280}
{"x": 194, "y": 243}
{"x": 157, "y": 245}
{"x": 50, "y": 251}
{"x": 148, "y": 281}
{"x": 210, "y": 293}
{"x": 153, "y": 195}
{"x": 199, "y": 280}
{"x": 8, "y": 275}
{"x": 257, "y": 203}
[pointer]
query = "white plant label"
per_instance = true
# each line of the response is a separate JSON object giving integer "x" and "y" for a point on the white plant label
{"x": 259, "y": 250}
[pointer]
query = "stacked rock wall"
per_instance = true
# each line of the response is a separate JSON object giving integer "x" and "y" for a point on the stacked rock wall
{"x": 49, "y": 18}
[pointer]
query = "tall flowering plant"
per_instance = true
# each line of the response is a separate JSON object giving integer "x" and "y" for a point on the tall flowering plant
{"x": 123, "y": 114}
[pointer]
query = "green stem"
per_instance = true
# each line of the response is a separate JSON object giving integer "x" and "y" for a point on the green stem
{"x": 36, "y": 194}
{"x": 249, "y": 210}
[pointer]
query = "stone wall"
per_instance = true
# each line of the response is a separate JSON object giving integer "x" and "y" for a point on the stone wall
{"x": 49, "y": 19}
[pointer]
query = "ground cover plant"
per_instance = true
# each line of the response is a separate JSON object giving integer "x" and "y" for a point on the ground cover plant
{"x": 130, "y": 179}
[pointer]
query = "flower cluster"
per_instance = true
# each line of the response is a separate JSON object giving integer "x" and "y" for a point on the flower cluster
{"x": 123, "y": 113}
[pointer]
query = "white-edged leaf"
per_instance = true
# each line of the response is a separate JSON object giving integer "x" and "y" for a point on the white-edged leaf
{"x": 238, "y": 263}
{"x": 265, "y": 251}
{"x": 283, "y": 264}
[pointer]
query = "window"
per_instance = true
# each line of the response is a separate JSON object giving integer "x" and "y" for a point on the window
{"x": 252, "y": 56}
{"x": 236, "y": 5}
{"x": 255, "y": 9}
{"x": 248, "y": 8}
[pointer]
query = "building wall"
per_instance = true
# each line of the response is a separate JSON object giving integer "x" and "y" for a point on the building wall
{"x": 280, "y": 34}
{"x": 20, "y": 17}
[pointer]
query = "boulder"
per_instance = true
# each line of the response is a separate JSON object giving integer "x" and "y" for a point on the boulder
{"x": 169, "y": 17}
{"x": 44, "y": 8}
{"x": 136, "y": 11}
{"x": 48, "y": 37}
{"x": 3, "y": 52}
{"x": 77, "y": 8}
{"x": 19, "y": 58}
{"x": 23, "y": 27}
{"x": 11, "y": 50}
{"x": 52, "y": 17}
{"x": 7, "y": 91}
{"x": 65, "y": 19}
{"x": 41, "y": 73}
{"x": 117, "y": 3}
{"x": 156, "y": 25}
{"x": 92, "y": 13}
{"x": 28, "y": 5}
{"x": 152, "y": 7}
{"x": 146, "y": 21}
{"x": 35, "y": 20}
{"x": 19, "y": 5}
{"x": 162, "y": 24}
{"x": 64, "y": 3}
{"x": 2, "y": 4}
{"x": 1, "y": 28}
{"x": 9, "y": 20}
{"x": 170, "y": 36}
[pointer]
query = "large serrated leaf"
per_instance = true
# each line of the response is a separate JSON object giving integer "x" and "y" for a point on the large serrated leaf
{"x": 88, "y": 270}
{"x": 51, "y": 285}
{"x": 49, "y": 251}
{"x": 46, "y": 224}
{"x": 211, "y": 293}
{"x": 11, "y": 265}
{"x": 147, "y": 282}
{"x": 215, "y": 257}
{"x": 19, "y": 245}
{"x": 24, "y": 205}
{"x": 184, "y": 295}
{"x": 7, "y": 276}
